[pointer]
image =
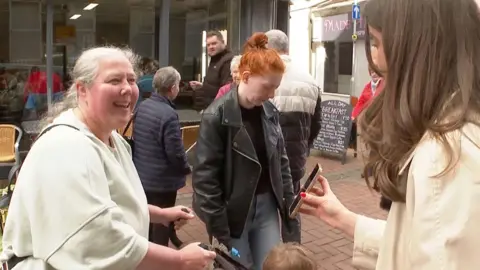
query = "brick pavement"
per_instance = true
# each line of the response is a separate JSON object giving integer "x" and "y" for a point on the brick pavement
{"x": 331, "y": 248}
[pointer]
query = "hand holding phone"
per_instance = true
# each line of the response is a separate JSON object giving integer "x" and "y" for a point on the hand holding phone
{"x": 311, "y": 180}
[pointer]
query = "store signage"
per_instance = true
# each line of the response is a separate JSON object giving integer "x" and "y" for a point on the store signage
{"x": 334, "y": 136}
{"x": 63, "y": 34}
{"x": 340, "y": 27}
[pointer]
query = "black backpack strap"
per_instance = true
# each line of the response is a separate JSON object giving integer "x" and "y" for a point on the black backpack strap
{"x": 52, "y": 126}
{"x": 129, "y": 122}
{"x": 127, "y": 126}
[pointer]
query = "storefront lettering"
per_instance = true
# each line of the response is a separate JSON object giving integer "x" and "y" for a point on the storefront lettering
{"x": 336, "y": 25}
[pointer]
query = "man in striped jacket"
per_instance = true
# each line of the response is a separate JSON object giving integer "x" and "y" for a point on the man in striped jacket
{"x": 298, "y": 100}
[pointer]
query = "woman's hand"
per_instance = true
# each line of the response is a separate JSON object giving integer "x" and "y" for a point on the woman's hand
{"x": 177, "y": 214}
{"x": 322, "y": 203}
{"x": 196, "y": 258}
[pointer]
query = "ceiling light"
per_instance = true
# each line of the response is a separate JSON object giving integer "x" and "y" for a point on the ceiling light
{"x": 90, "y": 6}
{"x": 75, "y": 16}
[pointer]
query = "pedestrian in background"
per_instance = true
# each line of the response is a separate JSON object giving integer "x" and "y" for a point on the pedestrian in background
{"x": 218, "y": 72}
{"x": 235, "y": 77}
{"x": 145, "y": 82}
{"x": 298, "y": 99}
{"x": 159, "y": 154}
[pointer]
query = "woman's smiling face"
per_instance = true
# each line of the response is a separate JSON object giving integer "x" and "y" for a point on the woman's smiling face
{"x": 112, "y": 95}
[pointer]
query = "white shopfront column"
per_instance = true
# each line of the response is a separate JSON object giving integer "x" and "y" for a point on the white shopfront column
{"x": 85, "y": 27}
{"x": 26, "y": 32}
{"x": 300, "y": 40}
{"x": 142, "y": 29}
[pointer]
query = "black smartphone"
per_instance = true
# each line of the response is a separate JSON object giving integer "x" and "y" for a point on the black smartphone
{"x": 311, "y": 180}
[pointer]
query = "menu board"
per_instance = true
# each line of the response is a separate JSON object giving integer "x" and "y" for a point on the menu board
{"x": 334, "y": 135}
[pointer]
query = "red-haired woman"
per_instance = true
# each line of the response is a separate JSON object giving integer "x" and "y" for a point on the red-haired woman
{"x": 241, "y": 177}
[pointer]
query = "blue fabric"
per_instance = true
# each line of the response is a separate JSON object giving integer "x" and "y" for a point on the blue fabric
{"x": 159, "y": 154}
{"x": 261, "y": 233}
{"x": 145, "y": 85}
{"x": 33, "y": 100}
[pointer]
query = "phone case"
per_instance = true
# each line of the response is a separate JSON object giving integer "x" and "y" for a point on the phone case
{"x": 305, "y": 188}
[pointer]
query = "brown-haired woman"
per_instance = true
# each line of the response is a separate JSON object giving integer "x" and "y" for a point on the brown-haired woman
{"x": 424, "y": 134}
{"x": 242, "y": 179}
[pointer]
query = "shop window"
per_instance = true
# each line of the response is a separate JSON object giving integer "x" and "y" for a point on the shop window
{"x": 338, "y": 66}
{"x": 345, "y": 58}
{"x": 188, "y": 27}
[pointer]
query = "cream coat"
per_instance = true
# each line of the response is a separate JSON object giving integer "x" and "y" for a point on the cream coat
{"x": 78, "y": 204}
{"x": 438, "y": 228}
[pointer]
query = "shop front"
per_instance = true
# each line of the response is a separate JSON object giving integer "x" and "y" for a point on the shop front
{"x": 340, "y": 62}
{"x": 41, "y": 39}
{"x": 326, "y": 47}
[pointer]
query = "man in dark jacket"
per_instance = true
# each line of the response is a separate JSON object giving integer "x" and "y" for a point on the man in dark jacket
{"x": 218, "y": 73}
{"x": 298, "y": 100}
{"x": 159, "y": 154}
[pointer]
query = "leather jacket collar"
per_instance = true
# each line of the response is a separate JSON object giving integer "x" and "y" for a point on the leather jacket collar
{"x": 232, "y": 115}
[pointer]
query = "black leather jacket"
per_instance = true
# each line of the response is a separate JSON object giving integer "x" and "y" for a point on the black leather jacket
{"x": 226, "y": 170}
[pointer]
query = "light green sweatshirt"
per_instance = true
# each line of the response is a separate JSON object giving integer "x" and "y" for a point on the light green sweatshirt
{"x": 78, "y": 204}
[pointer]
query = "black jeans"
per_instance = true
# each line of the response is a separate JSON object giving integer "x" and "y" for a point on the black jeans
{"x": 158, "y": 233}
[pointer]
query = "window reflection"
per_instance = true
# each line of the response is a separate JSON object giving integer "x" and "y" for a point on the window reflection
{"x": 112, "y": 22}
{"x": 188, "y": 24}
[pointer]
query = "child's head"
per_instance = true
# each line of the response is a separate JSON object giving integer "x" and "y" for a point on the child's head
{"x": 289, "y": 257}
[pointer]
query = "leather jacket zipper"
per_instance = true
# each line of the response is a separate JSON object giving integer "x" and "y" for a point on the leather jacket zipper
{"x": 258, "y": 177}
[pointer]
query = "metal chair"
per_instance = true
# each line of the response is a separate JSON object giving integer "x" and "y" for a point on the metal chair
{"x": 10, "y": 137}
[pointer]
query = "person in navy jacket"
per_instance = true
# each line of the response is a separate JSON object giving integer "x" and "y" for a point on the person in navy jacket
{"x": 159, "y": 154}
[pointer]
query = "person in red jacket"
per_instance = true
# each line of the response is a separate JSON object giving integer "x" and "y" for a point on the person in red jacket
{"x": 371, "y": 90}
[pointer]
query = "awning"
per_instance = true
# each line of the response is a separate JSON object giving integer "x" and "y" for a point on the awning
{"x": 334, "y": 7}
{"x": 307, "y": 5}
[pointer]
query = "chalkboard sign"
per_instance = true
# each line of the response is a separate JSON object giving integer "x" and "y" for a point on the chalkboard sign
{"x": 334, "y": 135}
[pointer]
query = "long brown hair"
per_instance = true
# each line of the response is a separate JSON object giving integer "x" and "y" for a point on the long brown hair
{"x": 432, "y": 82}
